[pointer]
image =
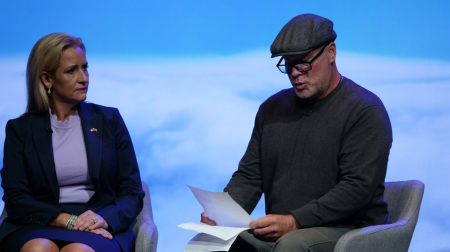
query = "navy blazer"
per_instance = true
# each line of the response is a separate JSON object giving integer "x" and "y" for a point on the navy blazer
{"x": 31, "y": 191}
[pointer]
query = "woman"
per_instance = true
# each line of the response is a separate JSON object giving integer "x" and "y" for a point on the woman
{"x": 70, "y": 176}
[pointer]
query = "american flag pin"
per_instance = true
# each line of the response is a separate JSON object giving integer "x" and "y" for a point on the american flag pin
{"x": 93, "y": 129}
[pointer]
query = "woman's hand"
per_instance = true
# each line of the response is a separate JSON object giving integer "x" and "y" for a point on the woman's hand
{"x": 60, "y": 221}
{"x": 90, "y": 221}
{"x": 101, "y": 231}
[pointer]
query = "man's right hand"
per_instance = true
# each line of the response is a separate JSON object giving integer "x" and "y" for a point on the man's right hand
{"x": 207, "y": 220}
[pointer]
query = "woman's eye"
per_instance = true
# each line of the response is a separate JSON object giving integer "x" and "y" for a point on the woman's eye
{"x": 71, "y": 71}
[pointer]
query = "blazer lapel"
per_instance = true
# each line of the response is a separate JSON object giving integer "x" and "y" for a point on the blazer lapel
{"x": 91, "y": 124}
{"x": 42, "y": 138}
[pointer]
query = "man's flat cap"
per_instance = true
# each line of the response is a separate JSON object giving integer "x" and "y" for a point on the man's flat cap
{"x": 303, "y": 34}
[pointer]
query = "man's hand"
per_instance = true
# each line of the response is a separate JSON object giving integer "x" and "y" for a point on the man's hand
{"x": 207, "y": 220}
{"x": 271, "y": 227}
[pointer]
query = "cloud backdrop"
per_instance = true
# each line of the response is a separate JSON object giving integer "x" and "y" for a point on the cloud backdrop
{"x": 190, "y": 121}
{"x": 188, "y": 78}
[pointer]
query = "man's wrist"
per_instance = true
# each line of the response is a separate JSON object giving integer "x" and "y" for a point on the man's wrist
{"x": 295, "y": 222}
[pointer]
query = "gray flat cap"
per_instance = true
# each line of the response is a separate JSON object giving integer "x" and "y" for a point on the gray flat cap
{"x": 303, "y": 34}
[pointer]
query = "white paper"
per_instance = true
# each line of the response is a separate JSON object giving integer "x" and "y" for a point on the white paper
{"x": 205, "y": 242}
{"x": 224, "y": 233}
{"x": 221, "y": 208}
{"x": 231, "y": 220}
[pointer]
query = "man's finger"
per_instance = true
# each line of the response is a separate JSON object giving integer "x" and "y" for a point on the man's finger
{"x": 267, "y": 234}
{"x": 260, "y": 223}
{"x": 206, "y": 220}
{"x": 264, "y": 231}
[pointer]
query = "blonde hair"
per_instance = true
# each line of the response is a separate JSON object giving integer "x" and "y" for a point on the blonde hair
{"x": 46, "y": 56}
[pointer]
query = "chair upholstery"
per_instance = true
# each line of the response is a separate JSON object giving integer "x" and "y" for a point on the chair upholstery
{"x": 404, "y": 198}
{"x": 144, "y": 227}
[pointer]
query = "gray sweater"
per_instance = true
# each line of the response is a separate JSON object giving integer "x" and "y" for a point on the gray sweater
{"x": 323, "y": 162}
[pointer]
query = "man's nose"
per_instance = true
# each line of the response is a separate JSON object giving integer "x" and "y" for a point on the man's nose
{"x": 295, "y": 72}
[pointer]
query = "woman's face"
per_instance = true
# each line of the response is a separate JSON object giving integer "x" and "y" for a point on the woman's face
{"x": 71, "y": 80}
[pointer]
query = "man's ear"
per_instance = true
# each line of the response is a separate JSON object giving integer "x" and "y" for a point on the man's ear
{"x": 331, "y": 52}
{"x": 46, "y": 79}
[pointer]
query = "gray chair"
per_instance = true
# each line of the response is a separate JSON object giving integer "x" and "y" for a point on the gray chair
{"x": 144, "y": 227}
{"x": 404, "y": 198}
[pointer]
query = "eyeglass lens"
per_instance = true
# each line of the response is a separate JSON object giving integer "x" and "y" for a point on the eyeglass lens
{"x": 304, "y": 67}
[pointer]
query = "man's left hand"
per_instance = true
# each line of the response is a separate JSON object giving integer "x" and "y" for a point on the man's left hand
{"x": 271, "y": 227}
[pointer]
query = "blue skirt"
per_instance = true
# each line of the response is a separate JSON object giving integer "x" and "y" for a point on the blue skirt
{"x": 18, "y": 238}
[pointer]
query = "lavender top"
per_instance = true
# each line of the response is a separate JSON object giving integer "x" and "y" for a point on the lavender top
{"x": 69, "y": 152}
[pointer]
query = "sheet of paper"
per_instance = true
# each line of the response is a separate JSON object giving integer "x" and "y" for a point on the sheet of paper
{"x": 230, "y": 217}
{"x": 224, "y": 233}
{"x": 205, "y": 242}
{"x": 221, "y": 208}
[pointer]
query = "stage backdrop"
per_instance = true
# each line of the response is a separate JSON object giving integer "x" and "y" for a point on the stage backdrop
{"x": 188, "y": 77}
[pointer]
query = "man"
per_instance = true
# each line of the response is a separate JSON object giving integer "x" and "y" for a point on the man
{"x": 318, "y": 151}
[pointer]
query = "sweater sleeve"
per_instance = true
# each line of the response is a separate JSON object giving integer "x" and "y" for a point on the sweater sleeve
{"x": 245, "y": 186}
{"x": 362, "y": 161}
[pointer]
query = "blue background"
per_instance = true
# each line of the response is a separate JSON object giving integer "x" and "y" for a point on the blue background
{"x": 188, "y": 77}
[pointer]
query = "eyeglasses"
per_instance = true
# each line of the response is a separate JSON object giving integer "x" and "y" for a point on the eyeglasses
{"x": 301, "y": 67}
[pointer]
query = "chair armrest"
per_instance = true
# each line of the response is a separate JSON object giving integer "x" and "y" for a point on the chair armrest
{"x": 388, "y": 238}
{"x": 146, "y": 237}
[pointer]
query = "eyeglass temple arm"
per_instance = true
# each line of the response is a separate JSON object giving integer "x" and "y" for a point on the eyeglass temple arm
{"x": 280, "y": 61}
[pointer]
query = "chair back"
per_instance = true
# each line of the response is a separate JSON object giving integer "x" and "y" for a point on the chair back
{"x": 404, "y": 199}
{"x": 144, "y": 227}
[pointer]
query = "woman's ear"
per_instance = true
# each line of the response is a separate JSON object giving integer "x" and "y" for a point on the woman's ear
{"x": 46, "y": 79}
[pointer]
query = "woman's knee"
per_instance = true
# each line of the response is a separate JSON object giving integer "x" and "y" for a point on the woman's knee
{"x": 40, "y": 245}
{"x": 76, "y": 247}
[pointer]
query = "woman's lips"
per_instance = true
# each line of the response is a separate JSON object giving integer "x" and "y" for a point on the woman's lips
{"x": 82, "y": 89}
